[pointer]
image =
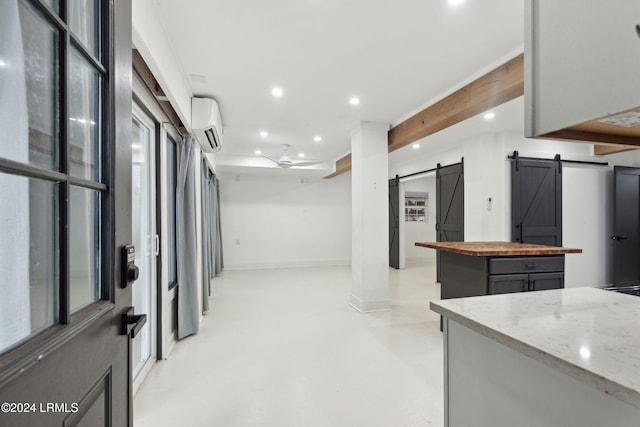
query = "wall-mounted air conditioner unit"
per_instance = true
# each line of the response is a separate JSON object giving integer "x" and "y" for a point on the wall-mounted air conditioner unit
{"x": 207, "y": 123}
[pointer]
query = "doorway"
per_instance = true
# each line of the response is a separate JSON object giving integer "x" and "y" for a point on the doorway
{"x": 626, "y": 226}
{"x": 417, "y": 219}
{"x": 145, "y": 240}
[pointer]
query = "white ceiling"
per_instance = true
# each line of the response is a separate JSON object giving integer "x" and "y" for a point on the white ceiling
{"x": 397, "y": 56}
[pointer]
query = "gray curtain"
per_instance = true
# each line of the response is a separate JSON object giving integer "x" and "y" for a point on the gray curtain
{"x": 188, "y": 310}
{"x": 207, "y": 243}
{"x": 219, "y": 260}
{"x": 211, "y": 232}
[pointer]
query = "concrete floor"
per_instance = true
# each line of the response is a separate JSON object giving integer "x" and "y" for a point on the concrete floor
{"x": 284, "y": 348}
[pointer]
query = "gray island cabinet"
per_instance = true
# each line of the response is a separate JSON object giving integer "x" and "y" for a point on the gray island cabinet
{"x": 469, "y": 269}
{"x": 560, "y": 358}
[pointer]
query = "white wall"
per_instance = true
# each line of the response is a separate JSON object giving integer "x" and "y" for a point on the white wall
{"x": 485, "y": 177}
{"x": 420, "y": 231}
{"x": 587, "y": 220}
{"x": 276, "y": 221}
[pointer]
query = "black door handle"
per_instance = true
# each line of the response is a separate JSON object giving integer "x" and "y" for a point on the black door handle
{"x": 619, "y": 238}
{"x": 638, "y": 30}
{"x": 132, "y": 323}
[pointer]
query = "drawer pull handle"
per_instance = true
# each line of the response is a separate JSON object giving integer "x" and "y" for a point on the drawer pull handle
{"x": 531, "y": 266}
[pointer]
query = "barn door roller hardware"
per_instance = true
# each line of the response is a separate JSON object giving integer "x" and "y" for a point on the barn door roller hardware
{"x": 516, "y": 157}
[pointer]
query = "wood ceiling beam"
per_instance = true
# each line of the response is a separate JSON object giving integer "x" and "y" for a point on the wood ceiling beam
{"x": 489, "y": 91}
{"x": 342, "y": 165}
{"x": 575, "y": 135}
{"x": 494, "y": 88}
{"x": 603, "y": 150}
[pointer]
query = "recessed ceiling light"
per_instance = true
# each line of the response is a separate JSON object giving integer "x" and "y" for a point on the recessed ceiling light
{"x": 354, "y": 101}
{"x": 416, "y": 146}
{"x": 277, "y": 92}
{"x": 258, "y": 152}
{"x": 489, "y": 116}
{"x": 455, "y": 2}
{"x": 317, "y": 138}
{"x": 264, "y": 134}
{"x": 301, "y": 155}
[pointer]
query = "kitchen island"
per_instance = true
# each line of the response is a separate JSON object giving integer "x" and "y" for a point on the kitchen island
{"x": 567, "y": 357}
{"x": 486, "y": 268}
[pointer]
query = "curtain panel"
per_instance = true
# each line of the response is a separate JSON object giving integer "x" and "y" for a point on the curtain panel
{"x": 188, "y": 309}
{"x": 211, "y": 231}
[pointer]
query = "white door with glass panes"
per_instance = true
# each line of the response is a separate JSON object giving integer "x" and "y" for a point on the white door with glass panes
{"x": 145, "y": 240}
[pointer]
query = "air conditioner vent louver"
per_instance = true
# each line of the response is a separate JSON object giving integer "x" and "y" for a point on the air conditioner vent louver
{"x": 207, "y": 124}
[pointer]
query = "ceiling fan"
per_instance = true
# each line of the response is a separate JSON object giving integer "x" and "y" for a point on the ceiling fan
{"x": 285, "y": 161}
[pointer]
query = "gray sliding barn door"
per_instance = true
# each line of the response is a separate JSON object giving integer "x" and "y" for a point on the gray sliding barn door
{"x": 626, "y": 226}
{"x": 394, "y": 223}
{"x": 449, "y": 206}
{"x": 536, "y": 202}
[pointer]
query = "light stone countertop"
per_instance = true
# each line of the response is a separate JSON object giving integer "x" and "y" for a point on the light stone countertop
{"x": 590, "y": 334}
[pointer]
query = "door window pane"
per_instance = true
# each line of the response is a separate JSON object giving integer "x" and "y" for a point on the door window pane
{"x": 84, "y": 118}
{"x": 143, "y": 237}
{"x": 84, "y": 20}
{"x": 55, "y": 4}
{"x": 28, "y": 75}
{"x": 84, "y": 251}
{"x": 28, "y": 257}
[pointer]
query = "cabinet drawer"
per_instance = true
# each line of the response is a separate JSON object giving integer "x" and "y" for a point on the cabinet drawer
{"x": 508, "y": 283}
{"x": 536, "y": 264}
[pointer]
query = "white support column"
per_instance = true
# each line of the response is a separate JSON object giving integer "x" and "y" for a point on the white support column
{"x": 370, "y": 217}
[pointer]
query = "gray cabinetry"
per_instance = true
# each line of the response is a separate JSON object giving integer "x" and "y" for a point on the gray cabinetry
{"x": 466, "y": 276}
{"x": 507, "y": 275}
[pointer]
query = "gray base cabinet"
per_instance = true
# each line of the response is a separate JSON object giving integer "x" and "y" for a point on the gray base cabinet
{"x": 465, "y": 276}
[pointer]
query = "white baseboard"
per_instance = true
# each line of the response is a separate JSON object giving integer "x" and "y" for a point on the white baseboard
{"x": 370, "y": 306}
{"x": 279, "y": 265}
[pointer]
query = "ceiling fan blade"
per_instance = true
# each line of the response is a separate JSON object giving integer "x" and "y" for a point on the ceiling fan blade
{"x": 308, "y": 163}
{"x": 277, "y": 162}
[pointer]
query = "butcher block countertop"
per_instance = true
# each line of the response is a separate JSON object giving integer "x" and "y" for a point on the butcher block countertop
{"x": 497, "y": 248}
